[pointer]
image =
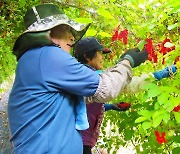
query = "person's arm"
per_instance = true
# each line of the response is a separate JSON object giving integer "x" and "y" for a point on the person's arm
{"x": 166, "y": 72}
{"x": 138, "y": 82}
{"x": 113, "y": 80}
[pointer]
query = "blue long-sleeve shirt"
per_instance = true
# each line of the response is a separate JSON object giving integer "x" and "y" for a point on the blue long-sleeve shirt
{"x": 41, "y": 107}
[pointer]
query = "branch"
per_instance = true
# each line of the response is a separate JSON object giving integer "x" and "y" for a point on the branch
{"x": 92, "y": 11}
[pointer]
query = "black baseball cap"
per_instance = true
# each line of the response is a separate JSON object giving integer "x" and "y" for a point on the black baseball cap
{"x": 88, "y": 44}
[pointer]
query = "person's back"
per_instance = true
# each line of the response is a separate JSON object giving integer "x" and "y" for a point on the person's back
{"x": 40, "y": 106}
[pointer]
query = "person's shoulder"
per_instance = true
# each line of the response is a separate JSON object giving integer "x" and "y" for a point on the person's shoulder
{"x": 55, "y": 54}
{"x": 54, "y": 51}
{"x": 51, "y": 48}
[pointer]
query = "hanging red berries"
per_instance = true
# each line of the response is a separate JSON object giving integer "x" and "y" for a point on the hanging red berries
{"x": 116, "y": 33}
{"x": 121, "y": 36}
{"x": 164, "y": 50}
{"x": 150, "y": 49}
{"x": 177, "y": 108}
{"x": 124, "y": 106}
{"x": 160, "y": 137}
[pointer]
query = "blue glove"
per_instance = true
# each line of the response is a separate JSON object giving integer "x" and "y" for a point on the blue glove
{"x": 168, "y": 71}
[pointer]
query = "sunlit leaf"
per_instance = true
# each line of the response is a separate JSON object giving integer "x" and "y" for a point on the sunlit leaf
{"x": 146, "y": 125}
{"x": 157, "y": 121}
{"x": 163, "y": 97}
{"x": 175, "y": 9}
{"x": 141, "y": 44}
{"x": 140, "y": 119}
{"x": 177, "y": 116}
{"x": 145, "y": 113}
{"x": 104, "y": 34}
{"x": 91, "y": 32}
{"x": 170, "y": 27}
{"x": 83, "y": 20}
{"x": 168, "y": 45}
{"x": 166, "y": 117}
{"x": 105, "y": 13}
{"x": 153, "y": 89}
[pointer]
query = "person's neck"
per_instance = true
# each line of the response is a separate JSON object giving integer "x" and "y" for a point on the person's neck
{"x": 89, "y": 66}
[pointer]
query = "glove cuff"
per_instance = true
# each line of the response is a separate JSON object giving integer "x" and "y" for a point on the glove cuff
{"x": 130, "y": 59}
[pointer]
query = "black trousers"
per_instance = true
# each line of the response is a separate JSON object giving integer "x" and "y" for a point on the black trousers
{"x": 87, "y": 149}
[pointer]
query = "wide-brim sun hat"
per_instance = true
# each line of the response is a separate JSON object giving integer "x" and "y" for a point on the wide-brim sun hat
{"x": 89, "y": 44}
{"x": 44, "y": 17}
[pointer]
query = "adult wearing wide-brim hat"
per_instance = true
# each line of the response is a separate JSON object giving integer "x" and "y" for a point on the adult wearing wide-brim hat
{"x": 38, "y": 22}
{"x": 46, "y": 110}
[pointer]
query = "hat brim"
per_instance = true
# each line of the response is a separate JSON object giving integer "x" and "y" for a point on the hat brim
{"x": 50, "y": 22}
{"x": 105, "y": 50}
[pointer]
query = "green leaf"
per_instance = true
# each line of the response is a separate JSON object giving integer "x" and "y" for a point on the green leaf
{"x": 140, "y": 119}
{"x": 170, "y": 27}
{"x": 141, "y": 44}
{"x": 154, "y": 92}
{"x": 145, "y": 113}
{"x": 105, "y": 13}
{"x": 104, "y": 34}
{"x": 176, "y": 150}
{"x": 146, "y": 125}
{"x": 176, "y": 139}
{"x": 163, "y": 97}
{"x": 150, "y": 86}
{"x": 156, "y": 106}
{"x": 128, "y": 133}
{"x": 84, "y": 20}
{"x": 177, "y": 116}
{"x": 153, "y": 89}
{"x": 176, "y": 9}
{"x": 91, "y": 32}
{"x": 166, "y": 117}
{"x": 157, "y": 121}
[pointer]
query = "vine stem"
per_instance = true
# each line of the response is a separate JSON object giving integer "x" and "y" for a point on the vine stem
{"x": 73, "y": 5}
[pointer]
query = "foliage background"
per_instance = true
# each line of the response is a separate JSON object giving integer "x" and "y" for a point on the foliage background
{"x": 152, "y": 108}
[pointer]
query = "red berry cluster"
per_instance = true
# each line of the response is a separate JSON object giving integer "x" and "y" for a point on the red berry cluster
{"x": 160, "y": 137}
{"x": 150, "y": 49}
{"x": 177, "y": 108}
{"x": 152, "y": 56}
{"x": 124, "y": 105}
{"x": 164, "y": 50}
{"x": 120, "y": 35}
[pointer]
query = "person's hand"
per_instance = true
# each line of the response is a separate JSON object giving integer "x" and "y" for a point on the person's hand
{"x": 135, "y": 57}
{"x": 122, "y": 106}
{"x": 166, "y": 72}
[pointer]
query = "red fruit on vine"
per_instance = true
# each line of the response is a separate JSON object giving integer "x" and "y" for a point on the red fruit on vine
{"x": 177, "y": 108}
{"x": 160, "y": 137}
{"x": 123, "y": 36}
{"x": 124, "y": 106}
{"x": 116, "y": 32}
{"x": 150, "y": 49}
{"x": 164, "y": 50}
{"x": 115, "y": 36}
